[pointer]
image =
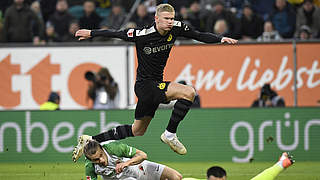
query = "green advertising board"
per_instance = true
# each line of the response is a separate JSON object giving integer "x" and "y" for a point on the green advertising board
{"x": 238, "y": 135}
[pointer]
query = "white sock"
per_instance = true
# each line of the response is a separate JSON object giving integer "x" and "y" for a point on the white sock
{"x": 280, "y": 164}
{"x": 169, "y": 135}
{"x": 281, "y": 160}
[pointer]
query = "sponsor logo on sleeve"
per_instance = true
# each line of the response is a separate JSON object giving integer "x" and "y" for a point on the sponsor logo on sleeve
{"x": 186, "y": 28}
{"x": 130, "y": 33}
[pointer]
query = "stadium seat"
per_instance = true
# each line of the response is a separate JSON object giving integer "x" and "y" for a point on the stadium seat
{"x": 103, "y": 12}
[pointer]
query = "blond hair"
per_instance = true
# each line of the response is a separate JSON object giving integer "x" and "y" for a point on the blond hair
{"x": 164, "y": 8}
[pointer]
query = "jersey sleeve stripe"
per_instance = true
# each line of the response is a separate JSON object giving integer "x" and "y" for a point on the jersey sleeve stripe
{"x": 144, "y": 32}
{"x": 130, "y": 151}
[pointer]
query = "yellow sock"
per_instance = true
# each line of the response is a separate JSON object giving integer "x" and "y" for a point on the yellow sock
{"x": 270, "y": 173}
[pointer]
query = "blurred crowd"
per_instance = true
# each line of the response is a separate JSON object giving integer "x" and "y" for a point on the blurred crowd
{"x": 51, "y": 21}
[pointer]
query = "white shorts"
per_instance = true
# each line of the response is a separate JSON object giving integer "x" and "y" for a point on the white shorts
{"x": 146, "y": 170}
{"x": 150, "y": 170}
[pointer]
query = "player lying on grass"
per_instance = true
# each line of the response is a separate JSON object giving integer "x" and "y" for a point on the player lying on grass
{"x": 116, "y": 160}
{"x": 285, "y": 161}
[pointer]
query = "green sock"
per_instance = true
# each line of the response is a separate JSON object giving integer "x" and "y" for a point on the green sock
{"x": 270, "y": 173}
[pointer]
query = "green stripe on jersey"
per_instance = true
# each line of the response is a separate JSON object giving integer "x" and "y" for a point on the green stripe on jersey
{"x": 119, "y": 149}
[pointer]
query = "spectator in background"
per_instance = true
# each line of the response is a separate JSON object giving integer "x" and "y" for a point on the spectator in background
{"x": 4, "y": 4}
{"x": 304, "y": 33}
{"x": 317, "y": 3}
{"x": 103, "y": 3}
{"x": 309, "y": 15}
{"x": 219, "y": 12}
{"x": 221, "y": 28}
{"x": 182, "y": 15}
{"x": 284, "y": 18}
{"x": 125, "y": 4}
{"x": 103, "y": 90}
{"x": 295, "y": 3}
{"x": 177, "y": 4}
{"x": 52, "y": 103}
{"x": 151, "y": 6}
{"x": 21, "y": 24}
{"x": 234, "y": 6}
{"x": 115, "y": 19}
{"x": 196, "y": 16}
{"x": 269, "y": 33}
{"x": 206, "y": 4}
{"x": 90, "y": 19}
{"x": 61, "y": 19}
{"x": 73, "y": 28}
{"x": 1, "y": 27}
{"x": 141, "y": 18}
{"x": 268, "y": 98}
{"x": 48, "y": 7}
{"x": 75, "y": 3}
{"x": 263, "y": 7}
{"x": 50, "y": 34}
{"x": 35, "y": 7}
{"x": 251, "y": 23}
{"x": 130, "y": 25}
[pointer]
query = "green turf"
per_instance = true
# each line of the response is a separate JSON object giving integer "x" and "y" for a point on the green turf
{"x": 67, "y": 171}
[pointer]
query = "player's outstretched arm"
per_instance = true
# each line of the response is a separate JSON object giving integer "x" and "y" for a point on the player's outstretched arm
{"x": 205, "y": 37}
{"x": 127, "y": 35}
{"x": 83, "y": 34}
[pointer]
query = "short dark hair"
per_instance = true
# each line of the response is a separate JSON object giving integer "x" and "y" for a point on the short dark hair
{"x": 91, "y": 148}
{"x": 53, "y": 97}
{"x": 216, "y": 171}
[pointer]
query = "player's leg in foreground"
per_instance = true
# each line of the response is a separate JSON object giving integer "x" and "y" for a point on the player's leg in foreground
{"x": 146, "y": 110}
{"x": 144, "y": 113}
{"x": 169, "y": 173}
{"x": 78, "y": 150}
{"x": 185, "y": 96}
{"x": 155, "y": 171}
{"x": 138, "y": 128}
{"x": 271, "y": 173}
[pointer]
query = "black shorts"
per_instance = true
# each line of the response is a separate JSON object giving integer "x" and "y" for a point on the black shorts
{"x": 150, "y": 94}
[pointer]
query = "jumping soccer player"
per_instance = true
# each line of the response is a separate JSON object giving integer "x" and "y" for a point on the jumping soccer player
{"x": 153, "y": 46}
{"x": 120, "y": 161}
{"x": 218, "y": 173}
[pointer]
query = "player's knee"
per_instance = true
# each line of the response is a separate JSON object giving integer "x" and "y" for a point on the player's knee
{"x": 190, "y": 93}
{"x": 139, "y": 132}
{"x": 177, "y": 176}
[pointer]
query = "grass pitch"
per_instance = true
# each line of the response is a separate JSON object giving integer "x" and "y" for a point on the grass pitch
{"x": 235, "y": 171}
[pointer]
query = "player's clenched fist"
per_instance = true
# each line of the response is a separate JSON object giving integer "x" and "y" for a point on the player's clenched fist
{"x": 83, "y": 34}
{"x": 120, "y": 167}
